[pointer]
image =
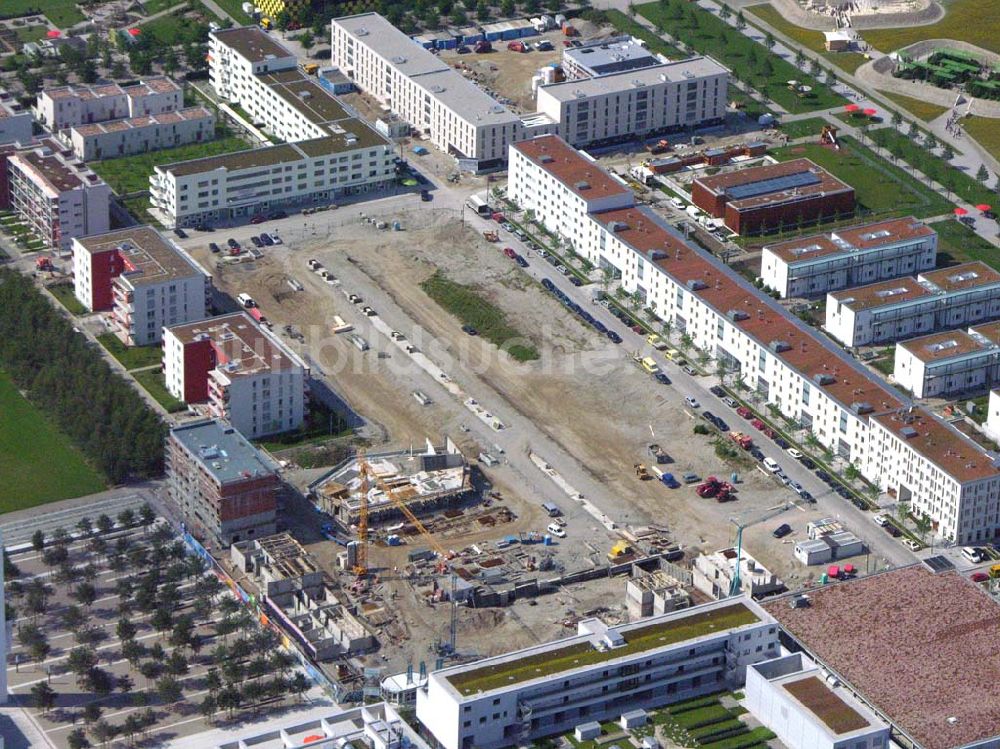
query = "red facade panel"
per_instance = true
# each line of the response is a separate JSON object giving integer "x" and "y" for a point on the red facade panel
{"x": 104, "y": 268}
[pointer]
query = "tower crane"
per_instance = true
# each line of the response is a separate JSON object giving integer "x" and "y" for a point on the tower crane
{"x": 736, "y": 585}
{"x": 361, "y": 560}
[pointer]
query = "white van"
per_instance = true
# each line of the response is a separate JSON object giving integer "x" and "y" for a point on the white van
{"x": 971, "y": 555}
{"x": 246, "y": 300}
{"x": 359, "y": 343}
{"x": 772, "y": 465}
{"x": 556, "y": 530}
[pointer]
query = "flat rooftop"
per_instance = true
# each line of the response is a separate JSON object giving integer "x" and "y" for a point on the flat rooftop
{"x": 52, "y": 169}
{"x": 851, "y": 240}
{"x": 252, "y": 43}
{"x": 814, "y": 695}
{"x": 882, "y": 294}
{"x": 159, "y": 84}
{"x": 404, "y": 54}
{"x": 147, "y": 255}
{"x": 962, "y": 277}
{"x": 579, "y": 652}
{"x": 943, "y": 445}
{"x": 131, "y": 123}
{"x": 759, "y": 186}
{"x": 242, "y": 347}
{"x": 938, "y": 347}
{"x": 223, "y": 452}
{"x": 612, "y": 56}
{"x": 465, "y": 98}
{"x": 691, "y": 68}
{"x": 915, "y": 645}
{"x": 585, "y": 178}
{"x": 990, "y": 331}
{"x": 309, "y": 98}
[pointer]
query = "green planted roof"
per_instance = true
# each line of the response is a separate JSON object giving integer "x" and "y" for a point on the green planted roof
{"x": 638, "y": 640}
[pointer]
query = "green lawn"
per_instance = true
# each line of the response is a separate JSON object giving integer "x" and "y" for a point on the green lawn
{"x": 175, "y": 29}
{"x": 749, "y": 61}
{"x": 471, "y": 308}
{"x": 881, "y": 188}
{"x": 152, "y": 380}
{"x": 922, "y": 110}
{"x": 38, "y": 464}
{"x": 62, "y": 13}
{"x": 957, "y": 243}
{"x": 985, "y": 131}
{"x": 28, "y": 34}
{"x": 811, "y": 40}
{"x": 626, "y": 25}
{"x": 802, "y": 128}
{"x": 64, "y": 293}
{"x": 970, "y": 21}
{"x": 155, "y": 6}
{"x": 235, "y": 9}
{"x": 131, "y": 173}
{"x": 131, "y": 357}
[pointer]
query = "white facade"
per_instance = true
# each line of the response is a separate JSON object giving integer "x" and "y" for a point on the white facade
{"x": 814, "y": 265}
{"x": 646, "y": 675}
{"x": 791, "y": 696}
{"x": 330, "y": 153}
{"x": 713, "y": 574}
{"x": 780, "y": 360}
{"x": 637, "y": 103}
{"x": 945, "y": 364}
{"x": 248, "y": 377}
{"x": 992, "y": 424}
{"x": 437, "y": 101}
{"x": 15, "y": 122}
{"x": 69, "y": 106}
{"x": 141, "y": 134}
{"x": 57, "y": 195}
{"x": 892, "y": 310}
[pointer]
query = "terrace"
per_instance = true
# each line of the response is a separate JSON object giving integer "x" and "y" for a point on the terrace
{"x": 557, "y": 660}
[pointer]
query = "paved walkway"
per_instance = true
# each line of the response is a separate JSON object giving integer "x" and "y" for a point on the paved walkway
{"x": 217, "y": 9}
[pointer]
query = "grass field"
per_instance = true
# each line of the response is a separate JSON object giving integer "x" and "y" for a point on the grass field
{"x": 986, "y": 132}
{"x": 964, "y": 185}
{"x": 235, "y": 9}
{"x": 633, "y": 28}
{"x": 750, "y": 61}
{"x": 131, "y": 173}
{"x": 969, "y": 21}
{"x": 173, "y": 29}
{"x": 38, "y": 464}
{"x": 64, "y": 293}
{"x": 28, "y": 34}
{"x": 802, "y": 128}
{"x": 62, "y": 13}
{"x": 922, "y": 110}
{"x": 881, "y": 188}
{"x": 131, "y": 357}
{"x": 957, "y": 243}
{"x": 811, "y": 40}
{"x": 152, "y": 380}
{"x": 469, "y": 306}
{"x": 155, "y": 6}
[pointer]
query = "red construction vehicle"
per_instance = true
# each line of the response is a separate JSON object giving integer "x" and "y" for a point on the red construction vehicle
{"x": 743, "y": 440}
{"x": 661, "y": 146}
{"x": 726, "y": 492}
{"x": 491, "y": 236}
{"x": 709, "y": 487}
{"x": 517, "y": 47}
{"x": 44, "y": 263}
{"x": 482, "y": 47}
{"x": 568, "y": 30}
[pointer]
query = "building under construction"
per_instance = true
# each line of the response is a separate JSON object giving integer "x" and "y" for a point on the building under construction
{"x": 424, "y": 481}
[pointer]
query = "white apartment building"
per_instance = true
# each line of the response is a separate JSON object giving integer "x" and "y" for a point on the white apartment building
{"x": 69, "y": 106}
{"x": 244, "y": 373}
{"x": 515, "y": 698}
{"x": 110, "y": 140}
{"x": 56, "y": 194}
{"x": 637, "y": 103}
{"x": 330, "y": 153}
{"x": 780, "y": 359}
{"x": 144, "y": 279}
{"x": 892, "y": 310}
{"x": 606, "y": 56}
{"x": 854, "y": 256}
{"x": 992, "y": 424}
{"x": 792, "y": 696}
{"x": 951, "y": 362}
{"x": 15, "y": 121}
{"x": 437, "y": 101}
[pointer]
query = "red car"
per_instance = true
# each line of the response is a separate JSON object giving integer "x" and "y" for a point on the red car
{"x": 979, "y": 577}
{"x": 757, "y": 424}
{"x": 637, "y": 329}
{"x": 768, "y": 432}
{"x": 744, "y": 412}
{"x": 258, "y": 219}
{"x": 509, "y": 252}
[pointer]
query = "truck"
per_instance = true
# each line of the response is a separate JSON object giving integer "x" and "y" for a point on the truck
{"x": 310, "y": 68}
{"x": 641, "y": 472}
{"x": 658, "y": 453}
{"x": 654, "y": 340}
{"x": 646, "y": 362}
{"x": 491, "y": 236}
{"x": 480, "y": 206}
{"x": 661, "y": 146}
{"x": 709, "y": 487}
{"x": 517, "y": 46}
{"x": 44, "y": 263}
{"x": 482, "y": 47}
{"x": 664, "y": 476}
{"x": 743, "y": 440}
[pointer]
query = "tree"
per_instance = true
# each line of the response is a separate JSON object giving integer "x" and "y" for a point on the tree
{"x": 92, "y": 712}
{"x": 101, "y": 682}
{"x": 162, "y": 620}
{"x": 125, "y": 629}
{"x": 741, "y": 22}
{"x": 299, "y": 684}
{"x": 102, "y": 731}
{"x": 39, "y": 650}
{"x": 85, "y": 593}
{"x": 38, "y": 540}
{"x": 724, "y": 12}
{"x": 133, "y": 652}
{"x": 53, "y": 556}
{"x": 208, "y": 707}
{"x": 131, "y": 726}
{"x": 77, "y": 739}
{"x": 229, "y": 699}
{"x": 168, "y": 689}
{"x": 126, "y": 518}
{"x": 983, "y": 174}
{"x": 105, "y": 524}
{"x": 307, "y": 40}
{"x": 766, "y": 68}
{"x": 81, "y": 660}
{"x": 125, "y": 684}
{"x": 150, "y": 670}
{"x": 85, "y": 526}
{"x": 170, "y": 61}
{"x": 507, "y": 8}
{"x": 44, "y": 696}
{"x": 947, "y": 152}
{"x": 897, "y": 119}
{"x": 282, "y": 19}
{"x": 769, "y": 41}
{"x": 930, "y": 142}
{"x": 177, "y": 664}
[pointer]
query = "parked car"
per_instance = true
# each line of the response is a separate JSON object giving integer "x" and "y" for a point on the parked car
{"x": 910, "y": 544}
{"x": 661, "y": 378}
{"x": 782, "y": 530}
{"x": 745, "y": 412}
{"x": 979, "y": 577}
{"x": 556, "y": 530}
{"x": 258, "y": 219}
{"x": 881, "y": 519}
{"x": 265, "y": 239}
{"x": 469, "y": 330}
{"x": 510, "y": 252}
{"x": 806, "y": 496}
{"x": 521, "y": 261}
{"x": 180, "y": 233}
{"x": 756, "y": 454}
{"x": 717, "y": 391}
{"x": 692, "y": 401}
{"x": 575, "y": 281}
{"x": 274, "y": 215}
{"x": 823, "y": 476}
{"x": 233, "y": 244}
{"x": 780, "y": 442}
{"x": 795, "y": 453}
{"x": 730, "y": 402}
{"x": 796, "y": 487}
{"x": 892, "y": 530}
{"x": 213, "y": 247}
{"x": 425, "y": 196}
{"x": 614, "y": 337}
{"x": 354, "y": 299}
{"x": 256, "y": 241}
{"x": 808, "y": 463}
{"x": 721, "y": 424}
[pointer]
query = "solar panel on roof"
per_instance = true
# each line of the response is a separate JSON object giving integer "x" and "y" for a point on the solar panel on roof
{"x": 774, "y": 184}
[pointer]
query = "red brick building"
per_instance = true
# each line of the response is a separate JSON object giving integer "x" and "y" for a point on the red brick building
{"x": 789, "y": 194}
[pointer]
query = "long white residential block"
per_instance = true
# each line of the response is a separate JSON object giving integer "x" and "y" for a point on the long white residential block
{"x": 906, "y": 452}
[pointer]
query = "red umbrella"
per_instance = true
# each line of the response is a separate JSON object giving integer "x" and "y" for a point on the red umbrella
{"x": 852, "y": 107}
{"x": 53, "y": 33}
{"x": 871, "y": 112}
{"x": 960, "y": 211}
{"x": 983, "y": 207}
{"x": 134, "y": 32}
